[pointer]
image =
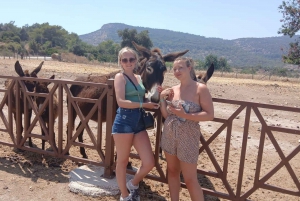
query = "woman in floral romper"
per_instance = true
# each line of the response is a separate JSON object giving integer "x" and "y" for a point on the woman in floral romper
{"x": 189, "y": 103}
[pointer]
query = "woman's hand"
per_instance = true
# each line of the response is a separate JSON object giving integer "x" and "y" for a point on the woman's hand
{"x": 159, "y": 89}
{"x": 176, "y": 111}
{"x": 167, "y": 93}
{"x": 151, "y": 105}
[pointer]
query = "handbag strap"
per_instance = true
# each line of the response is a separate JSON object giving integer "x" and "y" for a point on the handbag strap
{"x": 131, "y": 81}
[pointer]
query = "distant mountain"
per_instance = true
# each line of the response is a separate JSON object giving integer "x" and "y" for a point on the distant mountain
{"x": 239, "y": 52}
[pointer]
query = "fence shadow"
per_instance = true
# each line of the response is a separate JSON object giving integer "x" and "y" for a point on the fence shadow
{"x": 35, "y": 166}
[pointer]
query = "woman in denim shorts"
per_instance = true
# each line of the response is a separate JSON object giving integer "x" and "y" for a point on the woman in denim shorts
{"x": 128, "y": 128}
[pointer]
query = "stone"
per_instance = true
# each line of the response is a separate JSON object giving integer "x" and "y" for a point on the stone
{"x": 88, "y": 180}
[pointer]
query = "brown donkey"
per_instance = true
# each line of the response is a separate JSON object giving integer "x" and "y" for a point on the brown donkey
{"x": 151, "y": 67}
{"x": 42, "y": 87}
{"x": 30, "y": 85}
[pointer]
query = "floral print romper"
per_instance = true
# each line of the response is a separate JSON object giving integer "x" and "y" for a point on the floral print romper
{"x": 182, "y": 138}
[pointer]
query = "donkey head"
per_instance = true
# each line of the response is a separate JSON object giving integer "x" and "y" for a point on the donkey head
{"x": 29, "y": 84}
{"x": 151, "y": 67}
{"x": 203, "y": 78}
{"x": 42, "y": 87}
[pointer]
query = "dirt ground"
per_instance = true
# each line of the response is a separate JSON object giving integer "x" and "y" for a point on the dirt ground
{"x": 29, "y": 176}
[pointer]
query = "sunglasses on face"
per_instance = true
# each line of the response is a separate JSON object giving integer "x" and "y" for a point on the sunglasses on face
{"x": 125, "y": 60}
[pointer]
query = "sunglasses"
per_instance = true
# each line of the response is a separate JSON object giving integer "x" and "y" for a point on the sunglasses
{"x": 125, "y": 60}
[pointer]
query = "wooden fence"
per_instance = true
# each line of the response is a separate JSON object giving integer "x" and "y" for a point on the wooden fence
{"x": 101, "y": 141}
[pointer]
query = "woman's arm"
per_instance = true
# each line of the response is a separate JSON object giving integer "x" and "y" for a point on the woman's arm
{"x": 167, "y": 93}
{"x": 205, "y": 101}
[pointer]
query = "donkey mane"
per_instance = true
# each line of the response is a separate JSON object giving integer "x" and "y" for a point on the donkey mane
{"x": 156, "y": 50}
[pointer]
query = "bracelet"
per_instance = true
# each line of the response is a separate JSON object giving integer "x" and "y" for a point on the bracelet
{"x": 141, "y": 105}
{"x": 162, "y": 100}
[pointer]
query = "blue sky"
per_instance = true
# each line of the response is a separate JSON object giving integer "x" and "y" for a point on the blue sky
{"x": 227, "y": 19}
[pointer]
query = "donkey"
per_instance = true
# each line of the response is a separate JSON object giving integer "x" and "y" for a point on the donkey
{"x": 151, "y": 67}
{"x": 42, "y": 87}
{"x": 30, "y": 85}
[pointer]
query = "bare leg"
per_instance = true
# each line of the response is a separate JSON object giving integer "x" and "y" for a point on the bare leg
{"x": 189, "y": 172}
{"x": 142, "y": 145}
{"x": 173, "y": 174}
{"x": 123, "y": 144}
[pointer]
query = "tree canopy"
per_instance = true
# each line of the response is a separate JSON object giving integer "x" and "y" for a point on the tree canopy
{"x": 219, "y": 63}
{"x": 291, "y": 25}
{"x": 129, "y": 35}
{"x": 45, "y": 39}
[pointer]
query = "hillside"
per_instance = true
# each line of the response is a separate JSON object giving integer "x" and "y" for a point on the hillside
{"x": 239, "y": 52}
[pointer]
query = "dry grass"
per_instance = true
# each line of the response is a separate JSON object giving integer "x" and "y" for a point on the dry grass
{"x": 72, "y": 58}
{"x": 253, "y": 77}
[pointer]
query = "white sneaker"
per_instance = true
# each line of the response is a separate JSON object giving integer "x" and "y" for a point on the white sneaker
{"x": 128, "y": 198}
{"x": 134, "y": 191}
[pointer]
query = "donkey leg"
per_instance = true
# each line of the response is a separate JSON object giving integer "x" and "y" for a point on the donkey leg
{"x": 15, "y": 118}
{"x": 80, "y": 139}
{"x": 43, "y": 141}
{"x": 67, "y": 153}
{"x": 28, "y": 124}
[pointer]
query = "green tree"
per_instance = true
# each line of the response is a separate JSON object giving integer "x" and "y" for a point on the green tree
{"x": 200, "y": 65}
{"x": 144, "y": 40}
{"x": 223, "y": 65}
{"x": 24, "y": 35}
{"x": 211, "y": 59}
{"x": 282, "y": 72}
{"x": 108, "y": 51}
{"x": 291, "y": 25}
{"x": 129, "y": 35}
{"x": 34, "y": 46}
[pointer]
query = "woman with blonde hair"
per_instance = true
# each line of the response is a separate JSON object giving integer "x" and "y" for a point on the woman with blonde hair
{"x": 183, "y": 106}
{"x": 128, "y": 128}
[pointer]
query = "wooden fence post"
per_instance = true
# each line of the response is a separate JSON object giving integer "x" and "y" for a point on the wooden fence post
{"x": 109, "y": 143}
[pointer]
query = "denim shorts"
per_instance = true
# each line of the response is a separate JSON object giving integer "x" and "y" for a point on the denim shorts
{"x": 128, "y": 121}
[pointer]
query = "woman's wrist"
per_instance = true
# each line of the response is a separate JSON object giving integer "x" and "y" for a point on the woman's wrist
{"x": 141, "y": 104}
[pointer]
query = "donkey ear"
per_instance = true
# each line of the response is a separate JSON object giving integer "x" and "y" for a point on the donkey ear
{"x": 37, "y": 69}
{"x": 33, "y": 75}
{"x": 144, "y": 51}
{"x": 209, "y": 73}
{"x": 172, "y": 56}
{"x": 52, "y": 78}
{"x": 18, "y": 69}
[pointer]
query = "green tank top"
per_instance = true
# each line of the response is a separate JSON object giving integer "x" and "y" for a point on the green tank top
{"x": 131, "y": 93}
